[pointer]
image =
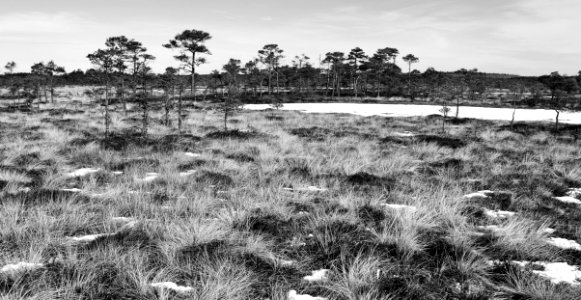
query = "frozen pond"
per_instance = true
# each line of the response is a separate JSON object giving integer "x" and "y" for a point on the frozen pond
{"x": 411, "y": 110}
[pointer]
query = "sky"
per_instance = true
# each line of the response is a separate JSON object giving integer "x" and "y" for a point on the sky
{"x": 524, "y": 37}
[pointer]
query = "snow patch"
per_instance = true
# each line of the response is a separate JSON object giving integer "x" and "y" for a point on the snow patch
{"x": 83, "y": 172}
{"x": 73, "y": 190}
{"x": 568, "y": 199}
{"x": 13, "y": 269}
{"x": 479, "y": 195}
{"x": 411, "y": 110}
{"x": 574, "y": 192}
{"x": 549, "y": 231}
{"x": 556, "y": 272}
{"x": 190, "y": 154}
{"x": 403, "y": 134}
{"x": 149, "y": 177}
{"x": 292, "y": 295}
{"x": 86, "y": 238}
{"x": 173, "y": 286}
{"x": 117, "y": 172}
{"x": 318, "y": 275}
{"x": 313, "y": 189}
{"x": 187, "y": 173}
{"x": 498, "y": 214}
{"x": 492, "y": 228}
{"x": 564, "y": 243}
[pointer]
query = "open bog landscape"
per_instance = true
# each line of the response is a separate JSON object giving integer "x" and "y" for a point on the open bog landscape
{"x": 290, "y": 150}
{"x": 331, "y": 205}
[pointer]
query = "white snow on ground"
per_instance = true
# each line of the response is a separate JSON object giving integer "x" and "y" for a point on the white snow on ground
{"x": 13, "y": 269}
{"x": 574, "y": 192}
{"x": 318, "y": 275}
{"x": 568, "y": 199}
{"x": 292, "y": 295}
{"x": 187, "y": 173}
{"x": 401, "y": 208}
{"x": 149, "y": 177}
{"x": 403, "y": 134}
{"x": 190, "y": 154}
{"x": 492, "y": 228}
{"x": 117, "y": 173}
{"x": 85, "y": 238}
{"x": 557, "y": 272}
{"x": 499, "y": 214}
{"x": 549, "y": 231}
{"x": 174, "y": 287}
{"x": 73, "y": 190}
{"x": 479, "y": 195}
{"x": 307, "y": 189}
{"x": 315, "y": 189}
{"x": 83, "y": 172}
{"x": 564, "y": 243}
{"x": 410, "y": 110}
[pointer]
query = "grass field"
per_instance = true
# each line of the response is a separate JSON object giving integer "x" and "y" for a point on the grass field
{"x": 285, "y": 204}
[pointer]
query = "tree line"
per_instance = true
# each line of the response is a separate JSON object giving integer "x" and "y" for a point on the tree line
{"x": 122, "y": 74}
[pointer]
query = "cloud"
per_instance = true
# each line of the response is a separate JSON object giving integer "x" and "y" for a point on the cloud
{"x": 40, "y": 23}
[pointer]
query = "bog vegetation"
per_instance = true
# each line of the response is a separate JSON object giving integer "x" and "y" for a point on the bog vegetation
{"x": 159, "y": 186}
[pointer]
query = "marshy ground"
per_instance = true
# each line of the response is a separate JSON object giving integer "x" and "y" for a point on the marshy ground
{"x": 334, "y": 206}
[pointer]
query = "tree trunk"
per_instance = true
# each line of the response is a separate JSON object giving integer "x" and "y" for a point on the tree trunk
{"x": 180, "y": 111}
{"x": 226, "y": 121}
{"x": 270, "y": 80}
{"x": 328, "y": 81}
{"x": 51, "y": 89}
{"x": 107, "y": 108}
{"x": 338, "y": 84}
{"x": 194, "y": 76}
{"x": 277, "y": 87}
{"x": 123, "y": 98}
{"x": 410, "y": 82}
{"x": 333, "y": 87}
{"x": 512, "y": 120}
{"x": 378, "y": 82}
{"x": 145, "y": 118}
{"x": 557, "y": 121}
{"x": 355, "y": 86}
{"x": 457, "y": 107}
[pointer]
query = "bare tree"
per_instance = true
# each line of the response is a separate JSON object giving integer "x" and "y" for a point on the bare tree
{"x": 190, "y": 43}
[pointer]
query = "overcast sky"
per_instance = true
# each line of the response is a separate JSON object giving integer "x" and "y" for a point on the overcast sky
{"x": 527, "y": 37}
